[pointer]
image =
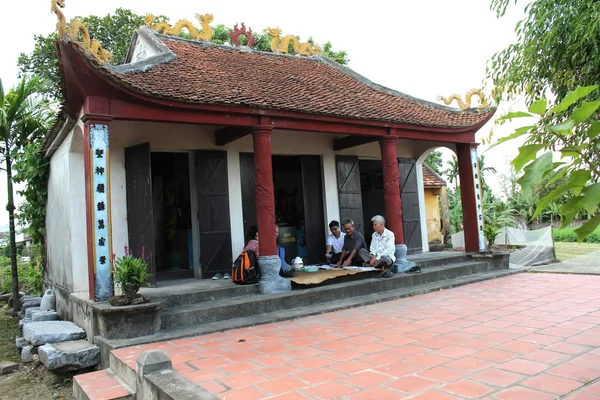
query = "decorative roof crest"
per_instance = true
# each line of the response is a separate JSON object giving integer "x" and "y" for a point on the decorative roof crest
{"x": 279, "y": 45}
{"x": 72, "y": 31}
{"x": 235, "y": 35}
{"x": 175, "y": 30}
{"x": 466, "y": 104}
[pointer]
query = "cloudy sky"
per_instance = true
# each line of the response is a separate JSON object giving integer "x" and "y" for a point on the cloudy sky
{"x": 423, "y": 48}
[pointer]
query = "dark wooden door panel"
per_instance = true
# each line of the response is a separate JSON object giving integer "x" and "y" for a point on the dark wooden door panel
{"x": 409, "y": 193}
{"x": 213, "y": 212}
{"x": 140, "y": 214}
{"x": 348, "y": 174}
{"x": 314, "y": 214}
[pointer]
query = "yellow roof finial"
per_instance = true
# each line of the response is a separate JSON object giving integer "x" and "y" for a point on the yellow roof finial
{"x": 75, "y": 27}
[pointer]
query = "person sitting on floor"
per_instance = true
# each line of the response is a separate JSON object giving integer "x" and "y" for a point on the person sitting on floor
{"x": 355, "y": 250}
{"x": 383, "y": 247}
{"x": 252, "y": 240}
{"x": 335, "y": 243}
{"x": 286, "y": 270}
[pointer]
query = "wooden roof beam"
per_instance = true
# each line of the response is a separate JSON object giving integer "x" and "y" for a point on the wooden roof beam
{"x": 231, "y": 133}
{"x": 353, "y": 141}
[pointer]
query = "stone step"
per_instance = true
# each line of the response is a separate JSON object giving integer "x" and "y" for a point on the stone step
{"x": 126, "y": 370}
{"x": 193, "y": 296}
{"x": 433, "y": 259}
{"x": 250, "y": 305}
{"x": 69, "y": 356}
{"x": 102, "y": 384}
{"x": 40, "y": 333}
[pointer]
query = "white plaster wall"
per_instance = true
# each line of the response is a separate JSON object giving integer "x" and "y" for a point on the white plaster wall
{"x": 59, "y": 270}
{"x": 77, "y": 216}
{"x": 172, "y": 137}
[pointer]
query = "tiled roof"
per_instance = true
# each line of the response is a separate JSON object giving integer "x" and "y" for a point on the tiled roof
{"x": 431, "y": 179}
{"x": 210, "y": 74}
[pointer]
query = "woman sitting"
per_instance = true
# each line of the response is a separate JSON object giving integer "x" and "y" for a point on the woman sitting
{"x": 252, "y": 240}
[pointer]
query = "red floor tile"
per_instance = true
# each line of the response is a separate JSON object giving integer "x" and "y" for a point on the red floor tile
{"x": 443, "y": 374}
{"x": 469, "y": 364}
{"x": 575, "y": 371}
{"x": 498, "y": 377}
{"x": 278, "y": 371}
{"x": 281, "y": 385}
{"x": 412, "y": 384}
{"x": 494, "y": 355}
{"x": 521, "y": 393}
{"x": 434, "y": 395}
{"x": 567, "y": 348}
{"x": 552, "y": 384}
{"x": 582, "y": 396}
{"x": 329, "y": 390}
{"x": 318, "y": 375}
{"x": 365, "y": 379}
{"x": 351, "y": 367}
{"x": 467, "y": 388}
{"x": 375, "y": 393}
{"x": 427, "y": 360}
{"x": 246, "y": 393}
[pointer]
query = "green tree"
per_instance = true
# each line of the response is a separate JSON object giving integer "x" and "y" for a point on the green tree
{"x": 452, "y": 171}
{"x": 114, "y": 32}
{"x": 556, "y": 50}
{"x": 21, "y": 120}
{"x": 435, "y": 162}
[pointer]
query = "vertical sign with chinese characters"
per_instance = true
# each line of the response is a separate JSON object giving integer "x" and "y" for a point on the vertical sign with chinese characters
{"x": 102, "y": 246}
{"x": 478, "y": 200}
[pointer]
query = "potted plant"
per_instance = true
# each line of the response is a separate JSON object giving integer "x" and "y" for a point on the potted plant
{"x": 130, "y": 274}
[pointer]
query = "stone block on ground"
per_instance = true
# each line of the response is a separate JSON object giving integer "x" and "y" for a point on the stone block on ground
{"x": 27, "y": 299}
{"x": 44, "y": 316}
{"x": 27, "y": 354}
{"x": 31, "y": 310}
{"x": 69, "y": 356}
{"x": 21, "y": 342}
{"x": 29, "y": 304}
{"x": 6, "y": 367}
{"x": 23, "y": 321}
{"x": 39, "y": 333}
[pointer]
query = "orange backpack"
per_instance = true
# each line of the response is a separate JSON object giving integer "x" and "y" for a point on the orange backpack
{"x": 245, "y": 269}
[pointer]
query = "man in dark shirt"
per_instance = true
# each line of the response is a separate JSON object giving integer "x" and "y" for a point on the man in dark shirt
{"x": 355, "y": 250}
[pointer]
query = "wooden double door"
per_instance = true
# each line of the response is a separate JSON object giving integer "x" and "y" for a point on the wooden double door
{"x": 352, "y": 189}
{"x": 212, "y": 199}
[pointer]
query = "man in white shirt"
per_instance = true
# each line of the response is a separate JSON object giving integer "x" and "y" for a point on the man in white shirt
{"x": 383, "y": 247}
{"x": 335, "y": 242}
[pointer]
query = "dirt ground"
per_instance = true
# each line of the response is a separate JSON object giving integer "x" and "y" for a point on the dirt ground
{"x": 31, "y": 382}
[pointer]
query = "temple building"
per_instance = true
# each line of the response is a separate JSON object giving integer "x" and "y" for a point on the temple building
{"x": 177, "y": 152}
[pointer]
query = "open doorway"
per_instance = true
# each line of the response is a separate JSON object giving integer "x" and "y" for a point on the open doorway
{"x": 172, "y": 215}
{"x": 289, "y": 205}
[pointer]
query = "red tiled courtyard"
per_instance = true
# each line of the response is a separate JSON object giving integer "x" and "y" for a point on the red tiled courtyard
{"x": 527, "y": 336}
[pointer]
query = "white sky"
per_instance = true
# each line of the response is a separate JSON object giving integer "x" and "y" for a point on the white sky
{"x": 423, "y": 48}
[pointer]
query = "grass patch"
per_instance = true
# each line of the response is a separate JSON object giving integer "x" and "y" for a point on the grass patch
{"x": 565, "y": 251}
{"x": 568, "y": 235}
{"x": 9, "y": 331}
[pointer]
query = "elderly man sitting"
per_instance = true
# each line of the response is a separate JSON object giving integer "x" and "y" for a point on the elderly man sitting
{"x": 383, "y": 247}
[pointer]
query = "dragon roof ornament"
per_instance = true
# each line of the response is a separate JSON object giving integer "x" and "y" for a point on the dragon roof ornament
{"x": 466, "y": 103}
{"x": 163, "y": 27}
{"x": 72, "y": 31}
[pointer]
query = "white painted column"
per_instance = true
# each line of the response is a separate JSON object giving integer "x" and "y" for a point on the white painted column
{"x": 330, "y": 191}
{"x": 236, "y": 212}
{"x": 422, "y": 210}
{"x": 194, "y": 213}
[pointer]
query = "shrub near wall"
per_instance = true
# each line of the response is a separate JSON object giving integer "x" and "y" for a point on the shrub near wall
{"x": 567, "y": 235}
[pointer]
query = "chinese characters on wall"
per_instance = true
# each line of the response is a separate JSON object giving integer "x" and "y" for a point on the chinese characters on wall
{"x": 478, "y": 199}
{"x": 101, "y": 209}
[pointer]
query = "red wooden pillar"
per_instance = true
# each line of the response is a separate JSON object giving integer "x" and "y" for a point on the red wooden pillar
{"x": 391, "y": 188}
{"x": 265, "y": 197}
{"x": 470, "y": 192}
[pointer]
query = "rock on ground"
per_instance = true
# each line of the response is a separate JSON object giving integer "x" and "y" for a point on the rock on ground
{"x": 31, "y": 310}
{"x": 6, "y": 367}
{"x": 44, "y": 316}
{"x": 20, "y": 343}
{"x": 39, "y": 333}
{"x": 68, "y": 356}
{"x": 27, "y": 354}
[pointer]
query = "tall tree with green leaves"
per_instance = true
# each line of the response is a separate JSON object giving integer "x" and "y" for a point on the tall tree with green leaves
{"x": 556, "y": 50}
{"x": 114, "y": 32}
{"x": 435, "y": 162}
{"x": 556, "y": 60}
{"x": 21, "y": 120}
